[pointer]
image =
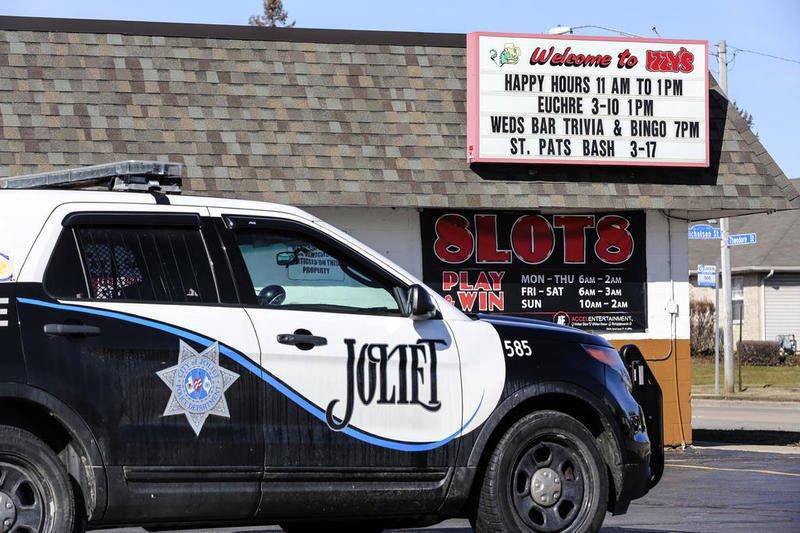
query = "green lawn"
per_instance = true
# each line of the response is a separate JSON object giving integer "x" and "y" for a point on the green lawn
{"x": 780, "y": 382}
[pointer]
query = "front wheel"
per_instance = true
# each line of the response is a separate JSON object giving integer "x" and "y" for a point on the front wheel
{"x": 35, "y": 492}
{"x": 546, "y": 474}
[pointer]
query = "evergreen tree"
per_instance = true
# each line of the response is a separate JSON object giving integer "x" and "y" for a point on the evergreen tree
{"x": 274, "y": 15}
{"x": 748, "y": 118}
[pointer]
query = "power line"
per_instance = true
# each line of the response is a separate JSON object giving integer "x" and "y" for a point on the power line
{"x": 780, "y": 58}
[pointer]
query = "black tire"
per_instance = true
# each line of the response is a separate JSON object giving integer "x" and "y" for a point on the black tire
{"x": 577, "y": 502}
{"x": 34, "y": 480}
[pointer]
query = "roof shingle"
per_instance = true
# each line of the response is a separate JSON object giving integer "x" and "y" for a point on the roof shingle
{"x": 331, "y": 122}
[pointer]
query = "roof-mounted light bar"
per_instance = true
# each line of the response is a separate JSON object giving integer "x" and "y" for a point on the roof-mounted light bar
{"x": 138, "y": 176}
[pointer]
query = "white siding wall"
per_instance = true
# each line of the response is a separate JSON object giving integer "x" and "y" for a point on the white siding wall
{"x": 395, "y": 232}
{"x": 781, "y": 306}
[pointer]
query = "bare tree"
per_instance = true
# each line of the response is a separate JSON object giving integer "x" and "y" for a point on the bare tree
{"x": 274, "y": 15}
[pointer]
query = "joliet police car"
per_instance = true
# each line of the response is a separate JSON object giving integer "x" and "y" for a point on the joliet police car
{"x": 178, "y": 361}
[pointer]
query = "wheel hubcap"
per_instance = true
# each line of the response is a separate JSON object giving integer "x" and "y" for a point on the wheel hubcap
{"x": 545, "y": 487}
{"x": 21, "y": 499}
{"x": 8, "y": 512}
{"x": 548, "y": 485}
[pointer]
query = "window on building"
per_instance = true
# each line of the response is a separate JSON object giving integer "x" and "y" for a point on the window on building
{"x": 129, "y": 263}
{"x": 737, "y": 295}
{"x": 291, "y": 270}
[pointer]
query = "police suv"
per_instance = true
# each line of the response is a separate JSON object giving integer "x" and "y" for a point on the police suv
{"x": 176, "y": 361}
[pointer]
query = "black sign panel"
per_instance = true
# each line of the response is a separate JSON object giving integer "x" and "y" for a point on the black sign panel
{"x": 587, "y": 271}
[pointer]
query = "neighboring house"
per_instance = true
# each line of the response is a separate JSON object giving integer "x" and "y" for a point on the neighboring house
{"x": 765, "y": 277}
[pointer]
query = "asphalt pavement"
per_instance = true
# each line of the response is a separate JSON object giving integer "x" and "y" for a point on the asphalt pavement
{"x": 704, "y": 489}
{"x": 745, "y": 415}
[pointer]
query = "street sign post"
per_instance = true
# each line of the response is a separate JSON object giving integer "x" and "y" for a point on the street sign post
{"x": 716, "y": 331}
{"x": 739, "y": 239}
{"x": 704, "y": 232}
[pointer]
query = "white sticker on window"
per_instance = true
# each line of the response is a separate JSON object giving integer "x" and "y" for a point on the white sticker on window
{"x": 315, "y": 265}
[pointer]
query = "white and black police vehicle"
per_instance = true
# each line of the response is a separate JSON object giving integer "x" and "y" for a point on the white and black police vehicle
{"x": 176, "y": 361}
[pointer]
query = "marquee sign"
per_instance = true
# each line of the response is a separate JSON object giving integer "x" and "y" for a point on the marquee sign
{"x": 587, "y": 100}
{"x": 587, "y": 271}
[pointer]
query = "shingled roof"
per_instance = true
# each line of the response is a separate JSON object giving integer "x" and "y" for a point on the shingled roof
{"x": 315, "y": 117}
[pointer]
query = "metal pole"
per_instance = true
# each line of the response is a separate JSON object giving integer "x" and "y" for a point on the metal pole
{"x": 716, "y": 330}
{"x": 739, "y": 347}
{"x": 725, "y": 257}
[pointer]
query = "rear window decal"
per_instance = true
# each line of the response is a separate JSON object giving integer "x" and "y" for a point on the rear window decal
{"x": 6, "y": 268}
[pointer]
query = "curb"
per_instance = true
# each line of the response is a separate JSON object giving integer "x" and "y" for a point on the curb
{"x": 740, "y": 436}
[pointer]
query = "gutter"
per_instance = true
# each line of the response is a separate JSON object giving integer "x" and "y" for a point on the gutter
{"x": 771, "y": 269}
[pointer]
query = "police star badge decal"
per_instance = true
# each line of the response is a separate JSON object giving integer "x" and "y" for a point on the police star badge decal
{"x": 198, "y": 385}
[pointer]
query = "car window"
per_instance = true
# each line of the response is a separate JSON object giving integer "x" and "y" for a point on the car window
{"x": 64, "y": 275}
{"x": 131, "y": 263}
{"x": 292, "y": 270}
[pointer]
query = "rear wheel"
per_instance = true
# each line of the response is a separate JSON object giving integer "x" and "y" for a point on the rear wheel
{"x": 546, "y": 474}
{"x": 35, "y": 492}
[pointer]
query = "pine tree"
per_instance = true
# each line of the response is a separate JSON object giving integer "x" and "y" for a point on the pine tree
{"x": 274, "y": 15}
{"x": 748, "y": 118}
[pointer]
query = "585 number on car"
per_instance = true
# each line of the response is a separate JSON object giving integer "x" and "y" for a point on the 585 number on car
{"x": 517, "y": 348}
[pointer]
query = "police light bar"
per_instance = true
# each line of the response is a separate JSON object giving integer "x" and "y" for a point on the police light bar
{"x": 137, "y": 176}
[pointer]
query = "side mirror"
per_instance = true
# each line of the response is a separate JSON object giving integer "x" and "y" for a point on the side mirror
{"x": 420, "y": 304}
{"x": 286, "y": 259}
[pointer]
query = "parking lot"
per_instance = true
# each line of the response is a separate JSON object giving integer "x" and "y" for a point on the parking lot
{"x": 708, "y": 488}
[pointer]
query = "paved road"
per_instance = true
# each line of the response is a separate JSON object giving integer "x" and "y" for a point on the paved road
{"x": 746, "y": 415}
{"x": 705, "y": 489}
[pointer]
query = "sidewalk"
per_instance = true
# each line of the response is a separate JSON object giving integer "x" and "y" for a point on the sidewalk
{"x": 748, "y": 415}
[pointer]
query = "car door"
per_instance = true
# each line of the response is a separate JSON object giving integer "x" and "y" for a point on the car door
{"x": 352, "y": 381}
{"x": 139, "y": 331}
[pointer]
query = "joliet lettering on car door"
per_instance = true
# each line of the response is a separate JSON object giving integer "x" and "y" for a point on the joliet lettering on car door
{"x": 583, "y": 270}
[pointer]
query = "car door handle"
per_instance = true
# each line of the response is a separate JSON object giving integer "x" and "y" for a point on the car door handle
{"x": 301, "y": 340}
{"x": 69, "y": 330}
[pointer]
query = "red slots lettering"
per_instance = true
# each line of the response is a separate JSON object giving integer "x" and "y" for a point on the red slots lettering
{"x": 532, "y": 241}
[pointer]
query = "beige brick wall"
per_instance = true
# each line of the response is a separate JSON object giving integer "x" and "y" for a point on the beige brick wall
{"x": 752, "y": 325}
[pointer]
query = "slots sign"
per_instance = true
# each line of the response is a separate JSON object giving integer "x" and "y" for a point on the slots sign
{"x": 587, "y": 100}
{"x": 586, "y": 271}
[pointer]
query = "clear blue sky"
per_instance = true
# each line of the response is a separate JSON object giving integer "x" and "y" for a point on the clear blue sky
{"x": 767, "y": 88}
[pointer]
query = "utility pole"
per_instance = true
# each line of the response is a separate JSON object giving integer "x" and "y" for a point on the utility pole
{"x": 725, "y": 253}
{"x": 716, "y": 328}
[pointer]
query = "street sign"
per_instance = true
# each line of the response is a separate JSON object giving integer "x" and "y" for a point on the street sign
{"x": 739, "y": 239}
{"x": 706, "y": 275}
{"x": 704, "y": 232}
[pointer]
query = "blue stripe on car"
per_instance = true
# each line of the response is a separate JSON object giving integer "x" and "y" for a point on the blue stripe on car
{"x": 259, "y": 371}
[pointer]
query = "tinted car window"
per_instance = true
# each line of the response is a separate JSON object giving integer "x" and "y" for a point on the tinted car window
{"x": 64, "y": 276}
{"x": 291, "y": 270}
{"x": 146, "y": 264}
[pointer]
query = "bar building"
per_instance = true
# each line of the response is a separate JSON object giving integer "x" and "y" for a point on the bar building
{"x": 368, "y": 131}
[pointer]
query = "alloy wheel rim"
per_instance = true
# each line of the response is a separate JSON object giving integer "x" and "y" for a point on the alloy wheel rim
{"x": 22, "y": 500}
{"x": 548, "y": 485}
